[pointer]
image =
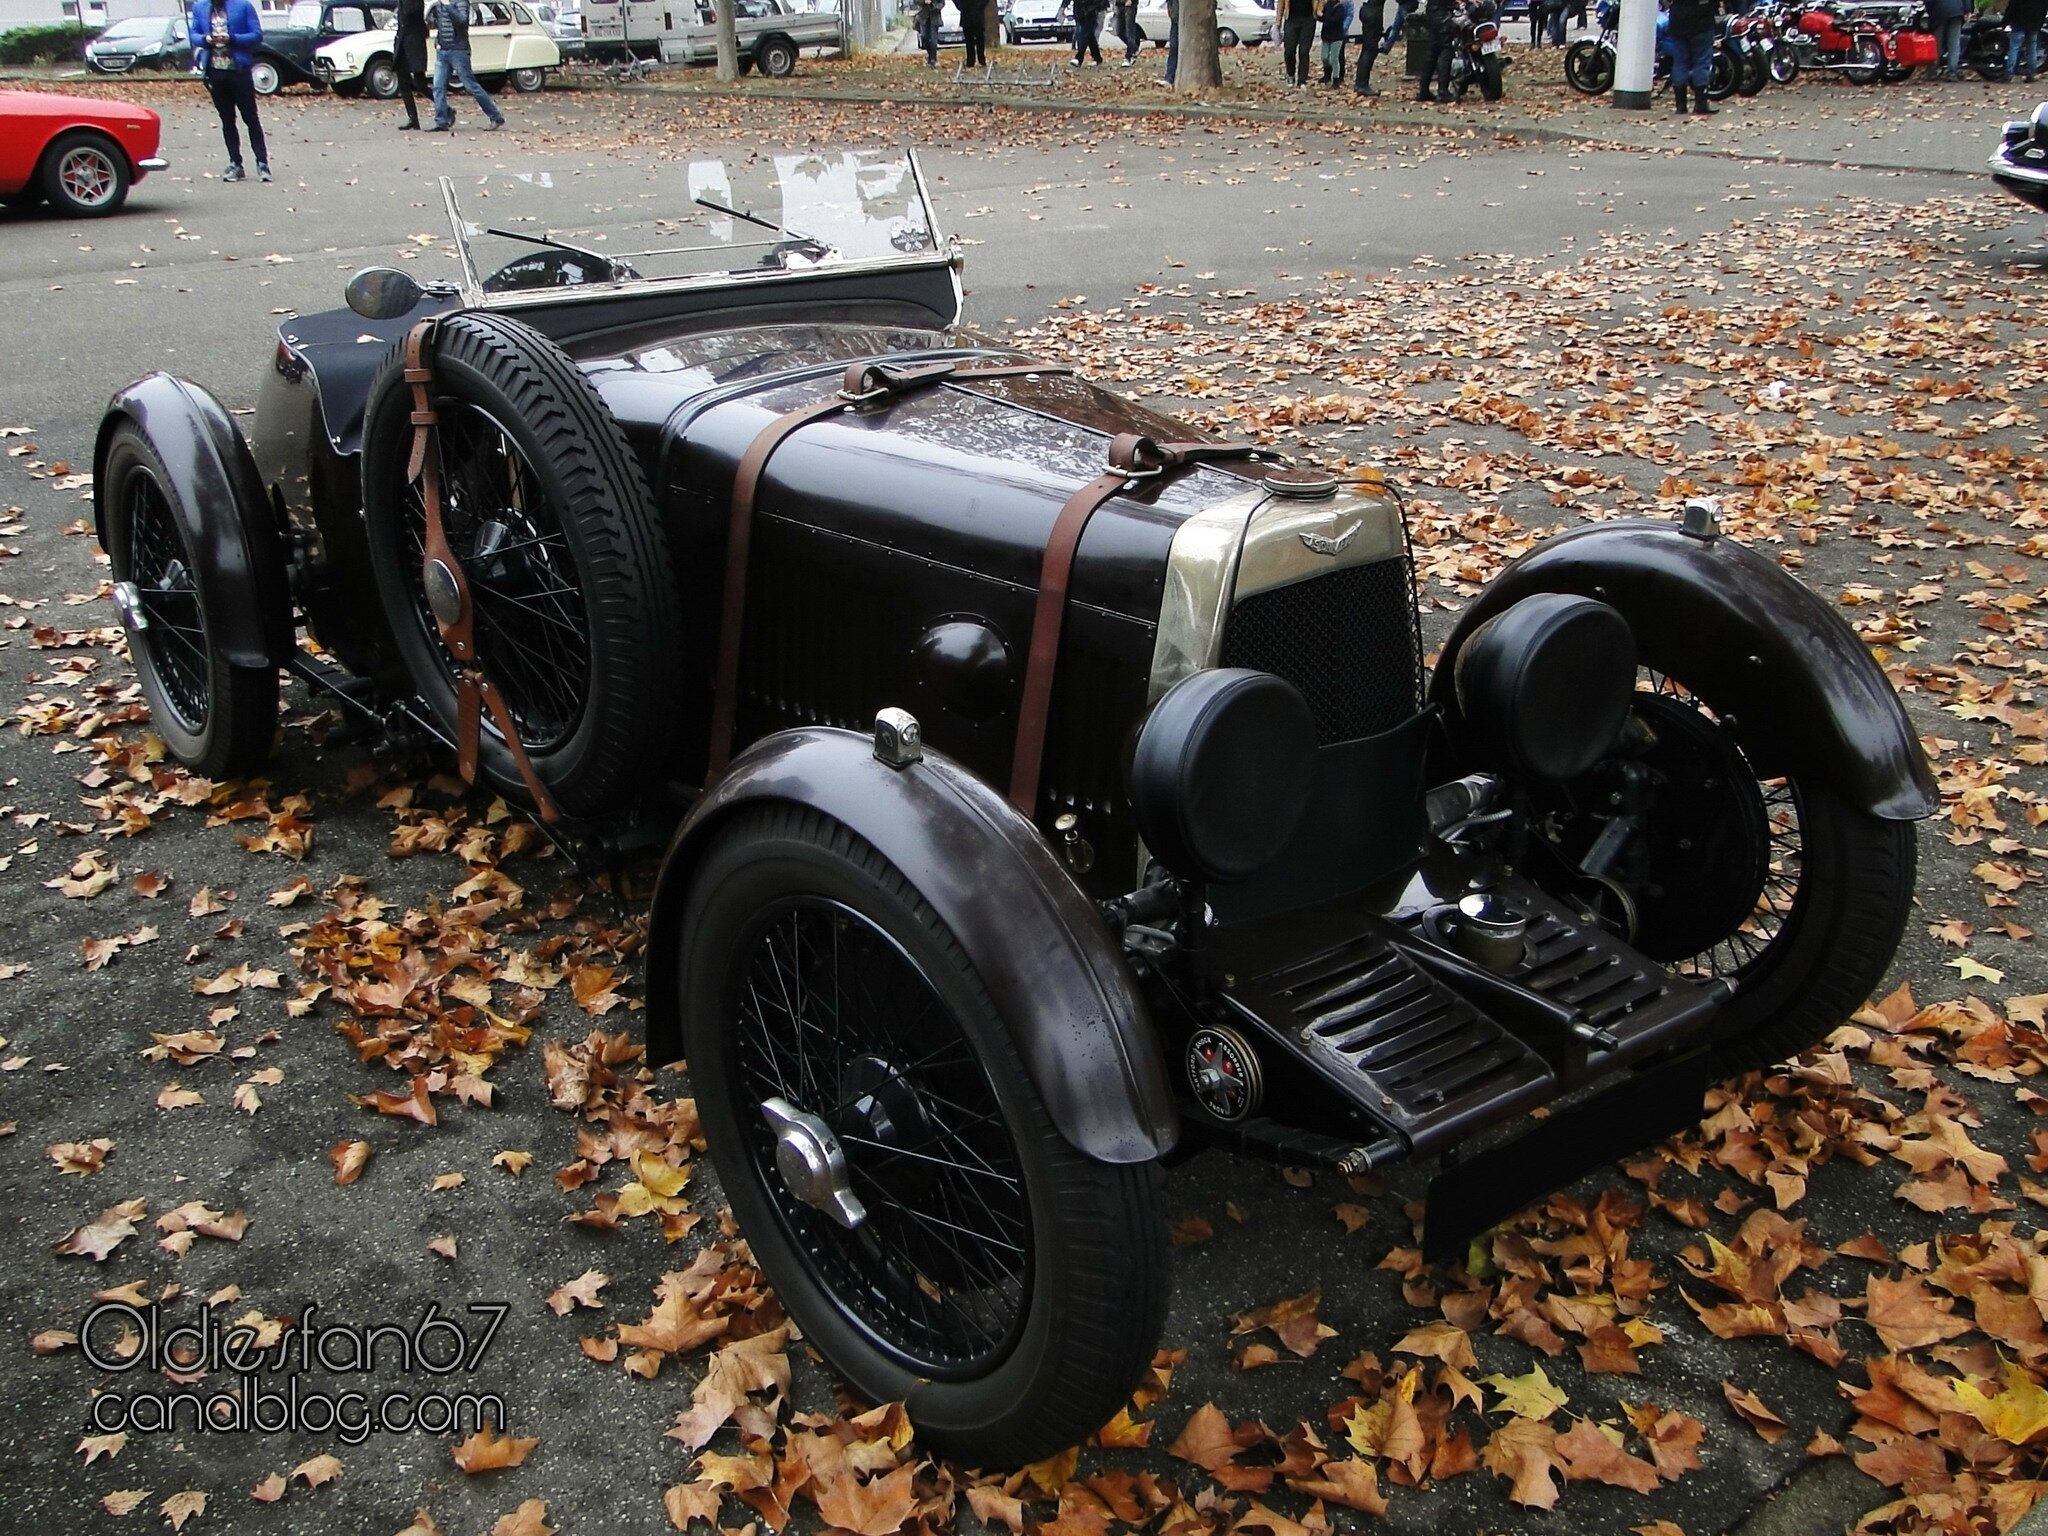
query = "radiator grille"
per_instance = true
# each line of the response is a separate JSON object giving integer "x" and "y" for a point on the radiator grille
{"x": 1347, "y": 640}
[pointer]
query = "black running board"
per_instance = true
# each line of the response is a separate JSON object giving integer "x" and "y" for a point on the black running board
{"x": 1474, "y": 1194}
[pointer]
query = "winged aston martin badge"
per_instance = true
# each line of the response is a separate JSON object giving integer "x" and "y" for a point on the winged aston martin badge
{"x": 1332, "y": 543}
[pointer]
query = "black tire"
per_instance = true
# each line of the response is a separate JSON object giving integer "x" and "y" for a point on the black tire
{"x": 1721, "y": 76}
{"x": 380, "y": 77}
{"x": 85, "y": 174}
{"x": 1079, "y": 1311}
{"x": 1987, "y": 57}
{"x": 266, "y": 77}
{"x": 349, "y": 90}
{"x": 1754, "y": 73}
{"x": 216, "y": 718}
{"x": 1489, "y": 79}
{"x": 528, "y": 81}
{"x": 580, "y": 631}
{"x": 1588, "y": 68}
{"x": 1896, "y": 74}
{"x": 1226, "y": 37}
{"x": 777, "y": 57}
{"x": 1869, "y": 56}
{"x": 1784, "y": 67}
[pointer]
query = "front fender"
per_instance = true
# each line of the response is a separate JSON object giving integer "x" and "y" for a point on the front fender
{"x": 218, "y": 498}
{"x": 1796, "y": 688}
{"x": 1041, "y": 948}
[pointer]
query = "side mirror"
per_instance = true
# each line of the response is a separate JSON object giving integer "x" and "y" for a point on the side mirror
{"x": 382, "y": 293}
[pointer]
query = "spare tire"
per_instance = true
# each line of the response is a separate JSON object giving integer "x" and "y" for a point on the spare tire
{"x": 567, "y": 564}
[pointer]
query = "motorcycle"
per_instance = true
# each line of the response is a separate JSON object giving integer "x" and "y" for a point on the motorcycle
{"x": 2021, "y": 163}
{"x": 1984, "y": 47}
{"x": 1477, "y": 54}
{"x": 1751, "y": 41}
{"x": 1589, "y": 63}
{"x": 1834, "y": 36}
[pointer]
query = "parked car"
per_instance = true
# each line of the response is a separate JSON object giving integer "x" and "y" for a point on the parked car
{"x": 1050, "y": 784}
{"x": 140, "y": 42}
{"x": 288, "y": 51}
{"x": 79, "y": 153}
{"x": 1037, "y": 21}
{"x": 1237, "y": 21}
{"x": 772, "y": 35}
{"x": 507, "y": 45}
{"x": 567, "y": 28}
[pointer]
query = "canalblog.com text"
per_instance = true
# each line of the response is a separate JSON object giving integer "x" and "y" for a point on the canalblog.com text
{"x": 272, "y": 1372}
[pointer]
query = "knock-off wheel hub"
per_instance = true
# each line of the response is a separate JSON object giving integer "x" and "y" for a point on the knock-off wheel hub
{"x": 444, "y": 595}
{"x": 812, "y": 1163}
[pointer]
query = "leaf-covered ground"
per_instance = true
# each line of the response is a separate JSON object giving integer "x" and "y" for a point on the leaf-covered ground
{"x": 348, "y": 1037}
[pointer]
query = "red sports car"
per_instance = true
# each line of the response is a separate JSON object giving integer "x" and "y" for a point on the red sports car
{"x": 81, "y": 153}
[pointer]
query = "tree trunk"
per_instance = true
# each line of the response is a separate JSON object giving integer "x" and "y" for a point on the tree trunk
{"x": 728, "y": 41}
{"x": 992, "y": 22}
{"x": 1200, "y": 66}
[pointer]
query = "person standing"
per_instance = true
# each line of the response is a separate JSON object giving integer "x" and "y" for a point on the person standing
{"x": 1440, "y": 17}
{"x": 1372, "y": 20}
{"x": 1127, "y": 29}
{"x": 1690, "y": 37}
{"x": 409, "y": 56}
{"x": 928, "y": 13}
{"x": 1297, "y": 37}
{"x": 1946, "y": 18}
{"x": 450, "y": 21}
{"x": 1172, "y": 40}
{"x": 974, "y": 34}
{"x": 1087, "y": 30}
{"x": 1539, "y": 14}
{"x": 2023, "y": 20}
{"x": 225, "y": 35}
{"x": 1336, "y": 22}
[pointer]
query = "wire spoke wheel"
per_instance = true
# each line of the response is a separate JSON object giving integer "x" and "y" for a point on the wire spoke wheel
{"x": 833, "y": 1017}
{"x": 532, "y": 629}
{"x": 160, "y": 566}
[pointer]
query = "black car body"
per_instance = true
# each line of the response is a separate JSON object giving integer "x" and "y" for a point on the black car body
{"x": 140, "y": 42}
{"x": 1050, "y": 788}
{"x": 285, "y": 56}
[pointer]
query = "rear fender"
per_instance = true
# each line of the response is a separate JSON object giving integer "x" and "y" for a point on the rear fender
{"x": 218, "y": 498}
{"x": 1040, "y": 947}
{"x": 1805, "y": 695}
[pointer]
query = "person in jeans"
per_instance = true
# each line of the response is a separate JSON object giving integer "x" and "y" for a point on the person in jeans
{"x": 409, "y": 56}
{"x": 450, "y": 21}
{"x": 1945, "y": 17}
{"x": 1690, "y": 37}
{"x": 1127, "y": 29}
{"x": 1336, "y": 22}
{"x": 1087, "y": 30}
{"x": 928, "y": 14}
{"x": 1400, "y": 25}
{"x": 225, "y": 35}
{"x": 1172, "y": 40}
{"x": 1372, "y": 22}
{"x": 2023, "y": 20}
{"x": 1297, "y": 36}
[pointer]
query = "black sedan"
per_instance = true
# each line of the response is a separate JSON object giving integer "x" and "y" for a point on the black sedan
{"x": 140, "y": 42}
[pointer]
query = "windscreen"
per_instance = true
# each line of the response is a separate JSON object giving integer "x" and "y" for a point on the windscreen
{"x": 524, "y": 230}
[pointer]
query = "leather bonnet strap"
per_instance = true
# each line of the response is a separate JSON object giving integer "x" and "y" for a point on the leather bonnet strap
{"x": 866, "y": 382}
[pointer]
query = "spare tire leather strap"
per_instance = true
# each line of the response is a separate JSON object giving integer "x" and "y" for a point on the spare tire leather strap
{"x": 867, "y": 382}
{"x": 447, "y": 588}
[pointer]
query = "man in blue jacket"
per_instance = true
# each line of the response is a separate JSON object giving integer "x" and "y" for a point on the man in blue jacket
{"x": 450, "y": 22}
{"x": 225, "y": 35}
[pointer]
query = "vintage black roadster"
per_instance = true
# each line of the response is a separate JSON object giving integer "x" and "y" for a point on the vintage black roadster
{"x": 1046, "y": 789}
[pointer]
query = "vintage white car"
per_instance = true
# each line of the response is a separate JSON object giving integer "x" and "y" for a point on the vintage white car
{"x": 1031, "y": 21}
{"x": 508, "y": 44}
